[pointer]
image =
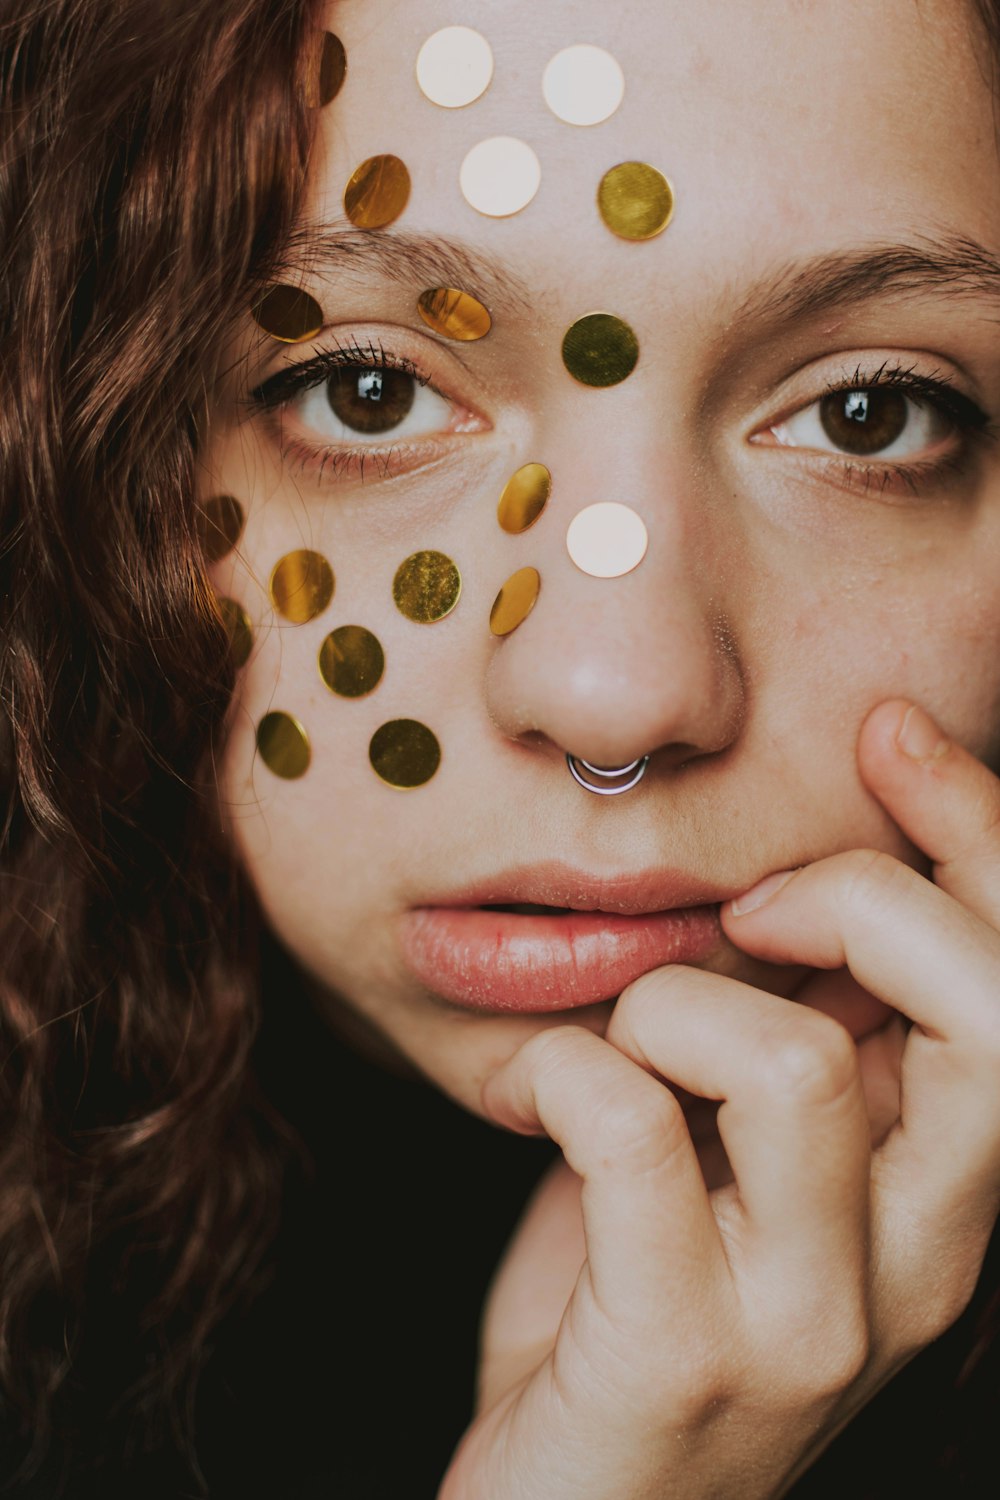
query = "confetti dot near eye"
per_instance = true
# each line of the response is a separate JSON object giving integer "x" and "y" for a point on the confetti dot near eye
{"x": 524, "y": 497}
{"x": 635, "y": 201}
{"x": 351, "y": 661}
{"x": 377, "y": 193}
{"x": 288, "y": 314}
{"x": 455, "y": 67}
{"x": 500, "y": 176}
{"x": 515, "y": 601}
{"x": 426, "y": 587}
{"x": 327, "y": 79}
{"x": 220, "y": 525}
{"x": 583, "y": 85}
{"x": 607, "y": 540}
{"x": 283, "y": 745}
{"x": 237, "y": 623}
{"x": 458, "y": 315}
{"x": 404, "y": 753}
{"x": 600, "y": 350}
{"x": 301, "y": 586}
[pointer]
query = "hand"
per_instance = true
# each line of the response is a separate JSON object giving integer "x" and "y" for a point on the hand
{"x": 717, "y": 1339}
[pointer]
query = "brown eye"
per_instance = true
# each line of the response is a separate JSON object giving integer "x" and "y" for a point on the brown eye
{"x": 370, "y": 400}
{"x": 864, "y": 422}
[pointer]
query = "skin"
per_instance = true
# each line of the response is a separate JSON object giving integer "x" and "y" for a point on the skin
{"x": 767, "y": 651}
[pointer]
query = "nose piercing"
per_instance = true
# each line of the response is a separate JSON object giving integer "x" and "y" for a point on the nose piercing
{"x": 573, "y": 761}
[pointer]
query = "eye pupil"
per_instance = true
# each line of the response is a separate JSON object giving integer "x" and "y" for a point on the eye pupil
{"x": 370, "y": 400}
{"x": 864, "y": 422}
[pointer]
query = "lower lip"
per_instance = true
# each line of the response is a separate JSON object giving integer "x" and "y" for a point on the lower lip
{"x": 504, "y": 961}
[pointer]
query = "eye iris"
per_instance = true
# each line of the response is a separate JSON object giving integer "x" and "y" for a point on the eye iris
{"x": 370, "y": 400}
{"x": 863, "y": 422}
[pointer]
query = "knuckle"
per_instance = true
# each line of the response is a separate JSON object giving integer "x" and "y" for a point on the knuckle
{"x": 810, "y": 1059}
{"x": 641, "y": 1134}
{"x": 873, "y": 878}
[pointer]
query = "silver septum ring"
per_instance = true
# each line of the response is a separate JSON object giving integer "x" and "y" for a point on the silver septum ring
{"x": 607, "y": 791}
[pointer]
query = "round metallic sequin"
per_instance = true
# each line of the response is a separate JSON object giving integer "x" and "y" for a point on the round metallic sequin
{"x": 283, "y": 745}
{"x": 220, "y": 525}
{"x": 500, "y": 176}
{"x": 301, "y": 586}
{"x": 332, "y": 69}
{"x": 377, "y": 193}
{"x": 600, "y": 350}
{"x": 635, "y": 200}
{"x": 351, "y": 661}
{"x": 288, "y": 314}
{"x": 404, "y": 753}
{"x": 455, "y": 66}
{"x": 237, "y": 622}
{"x": 583, "y": 85}
{"x": 426, "y": 587}
{"x": 458, "y": 315}
{"x": 524, "y": 497}
{"x": 515, "y": 601}
{"x": 607, "y": 540}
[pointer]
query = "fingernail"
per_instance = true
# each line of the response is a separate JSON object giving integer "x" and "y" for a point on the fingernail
{"x": 919, "y": 737}
{"x": 761, "y": 892}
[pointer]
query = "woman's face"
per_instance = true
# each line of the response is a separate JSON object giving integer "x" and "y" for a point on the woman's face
{"x": 810, "y": 554}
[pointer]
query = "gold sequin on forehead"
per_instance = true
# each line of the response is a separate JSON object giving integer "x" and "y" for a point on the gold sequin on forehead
{"x": 515, "y": 601}
{"x": 600, "y": 350}
{"x": 301, "y": 586}
{"x": 288, "y": 314}
{"x": 607, "y": 540}
{"x": 455, "y": 67}
{"x": 458, "y": 315}
{"x": 426, "y": 587}
{"x": 237, "y": 623}
{"x": 525, "y": 496}
{"x": 377, "y": 193}
{"x": 283, "y": 745}
{"x": 351, "y": 661}
{"x": 221, "y": 520}
{"x": 404, "y": 753}
{"x": 500, "y": 176}
{"x": 583, "y": 85}
{"x": 635, "y": 201}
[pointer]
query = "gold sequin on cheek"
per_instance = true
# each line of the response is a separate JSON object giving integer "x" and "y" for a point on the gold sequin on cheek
{"x": 600, "y": 350}
{"x": 351, "y": 661}
{"x": 455, "y": 67}
{"x": 404, "y": 753}
{"x": 515, "y": 601}
{"x": 377, "y": 193}
{"x": 524, "y": 498}
{"x": 301, "y": 586}
{"x": 426, "y": 587}
{"x": 237, "y": 622}
{"x": 607, "y": 540}
{"x": 220, "y": 525}
{"x": 458, "y": 315}
{"x": 583, "y": 85}
{"x": 283, "y": 745}
{"x": 500, "y": 176}
{"x": 635, "y": 201}
{"x": 288, "y": 314}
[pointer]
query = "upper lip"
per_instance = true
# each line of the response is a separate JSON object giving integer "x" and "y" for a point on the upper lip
{"x": 557, "y": 884}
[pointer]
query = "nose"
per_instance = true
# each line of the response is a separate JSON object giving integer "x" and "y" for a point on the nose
{"x": 612, "y": 669}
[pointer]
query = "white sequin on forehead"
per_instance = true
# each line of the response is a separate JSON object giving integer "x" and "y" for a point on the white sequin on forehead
{"x": 607, "y": 540}
{"x": 500, "y": 176}
{"x": 455, "y": 67}
{"x": 583, "y": 85}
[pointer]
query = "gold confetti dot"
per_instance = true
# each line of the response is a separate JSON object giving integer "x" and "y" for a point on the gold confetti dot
{"x": 600, "y": 350}
{"x": 635, "y": 200}
{"x": 607, "y": 540}
{"x": 237, "y": 622}
{"x": 351, "y": 661}
{"x": 524, "y": 498}
{"x": 283, "y": 745}
{"x": 583, "y": 85}
{"x": 377, "y": 193}
{"x": 458, "y": 315}
{"x": 455, "y": 67}
{"x": 301, "y": 586}
{"x": 404, "y": 753}
{"x": 331, "y": 71}
{"x": 426, "y": 587}
{"x": 500, "y": 176}
{"x": 220, "y": 525}
{"x": 515, "y": 601}
{"x": 288, "y": 314}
